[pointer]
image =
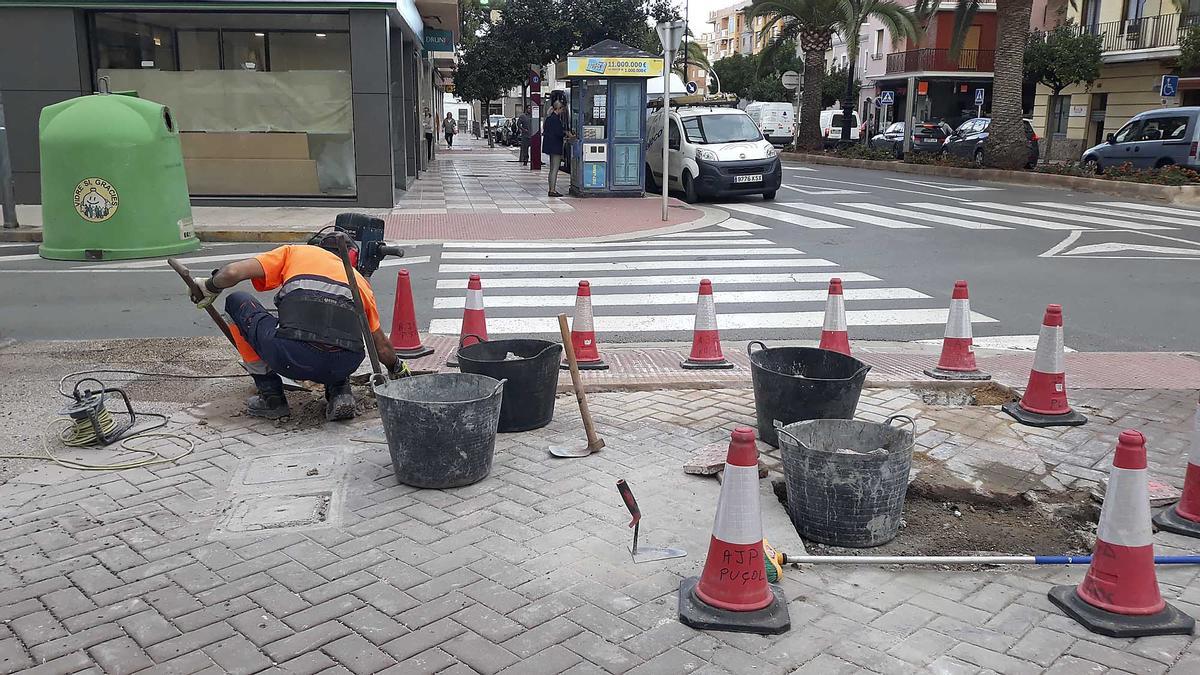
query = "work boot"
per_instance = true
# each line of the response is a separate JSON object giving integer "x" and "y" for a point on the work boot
{"x": 269, "y": 402}
{"x": 339, "y": 402}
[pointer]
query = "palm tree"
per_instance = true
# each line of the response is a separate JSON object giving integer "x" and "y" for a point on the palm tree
{"x": 812, "y": 23}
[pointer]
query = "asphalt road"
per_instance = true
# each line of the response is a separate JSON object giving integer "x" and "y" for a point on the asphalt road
{"x": 1124, "y": 270}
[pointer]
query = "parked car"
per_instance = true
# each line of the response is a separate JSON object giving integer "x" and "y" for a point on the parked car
{"x": 927, "y": 137}
{"x": 1151, "y": 140}
{"x": 831, "y": 127}
{"x": 777, "y": 121}
{"x": 498, "y": 130}
{"x": 712, "y": 152}
{"x": 967, "y": 141}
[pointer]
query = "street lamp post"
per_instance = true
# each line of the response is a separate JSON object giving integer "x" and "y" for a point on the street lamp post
{"x": 670, "y": 33}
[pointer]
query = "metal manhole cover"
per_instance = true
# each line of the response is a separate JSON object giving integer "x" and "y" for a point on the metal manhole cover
{"x": 254, "y": 513}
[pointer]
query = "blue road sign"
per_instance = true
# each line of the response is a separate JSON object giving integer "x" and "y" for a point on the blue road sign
{"x": 887, "y": 98}
{"x": 690, "y": 87}
{"x": 979, "y": 96}
{"x": 1170, "y": 85}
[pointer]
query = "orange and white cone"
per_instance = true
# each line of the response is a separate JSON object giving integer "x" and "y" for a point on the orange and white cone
{"x": 583, "y": 332}
{"x": 834, "y": 335}
{"x": 957, "y": 361}
{"x": 706, "y": 340}
{"x": 1184, "y": 517}
{"x": 405, "y": 338}
{"x": 1044, "y": 403}
{"x": 1119, "y": 597}
{"x": 732, "y": 592}
{"x": 474, "y": 322}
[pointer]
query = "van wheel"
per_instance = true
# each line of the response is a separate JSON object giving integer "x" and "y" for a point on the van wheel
{"x": 651, "y": 186}
{"x": 769, "y": 195}
{"x": 689, "y": 189}
{"x": 1164, "y": 162}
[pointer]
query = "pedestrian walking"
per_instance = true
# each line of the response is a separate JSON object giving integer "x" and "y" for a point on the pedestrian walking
{"x": 524, "y": 122}
{"x": 555, "y": 136}
{"x": 449, "y": 127}
{"x": 427, "y": 127}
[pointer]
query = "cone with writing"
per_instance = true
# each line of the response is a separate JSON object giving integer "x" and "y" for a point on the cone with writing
{"x": 706, "y": 341}
{"x": 958, "y": 356}
{"x": 1119, "y": 597}
{"x": 1044, "y": 403}
{"x": 474, "y": 322}
{"x": 732, "y": 593}
{"x": 583, "y": 332}
{"x": 405, "y": 338}
{"x": 1184, "y": 517}
{"x": 834, "y": 335}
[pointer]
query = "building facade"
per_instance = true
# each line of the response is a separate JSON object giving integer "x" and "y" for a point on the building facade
{"x": 1139, "y": 43}
{"x": 278, "y": 102}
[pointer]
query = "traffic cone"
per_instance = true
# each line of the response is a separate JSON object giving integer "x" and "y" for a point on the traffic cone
{"x": 834, "y": 336}
{"x": 474, "y": 323}
{"x": 583, "y": 332}
{"x": 1184, "y": 517}
{"x": 732, "y": 592}
{"x": 957, "y": 361}
{"x": 1119, "y": 597}
{"x": 1044, "y": 403}
{"x": 406, "y": 339}
{"x": 706, "y": 341}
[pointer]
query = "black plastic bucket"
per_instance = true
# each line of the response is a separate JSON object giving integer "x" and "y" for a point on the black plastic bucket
{"x": 847, "y": 479}
{"x": 792, "y": 384}
{"x": 440, "y": 429}
{"x": 531, "y": 368}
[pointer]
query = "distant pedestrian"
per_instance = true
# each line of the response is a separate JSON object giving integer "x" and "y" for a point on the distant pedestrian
{"x": 524, "y": 123}
{"x": 555, "y": 136}
{"x": 449, "y": 127}
{"x": 427, "y": 127}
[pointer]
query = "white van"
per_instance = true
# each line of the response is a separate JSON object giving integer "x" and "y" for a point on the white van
{"x": 831, "y": 127}
{"x": 776, "y": 120}
{"x": 712, "y": 151}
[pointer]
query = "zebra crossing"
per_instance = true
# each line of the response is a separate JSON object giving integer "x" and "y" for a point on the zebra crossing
{"x": 972, "y": 215}
{"x": 647, "y": 287}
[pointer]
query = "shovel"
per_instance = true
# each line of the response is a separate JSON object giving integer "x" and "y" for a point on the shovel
{"x": 594, "y": 442}
{"x": 644, "y": 553}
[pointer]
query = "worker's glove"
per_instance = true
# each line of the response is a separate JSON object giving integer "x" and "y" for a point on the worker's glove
{"x": 399, "y": 370}
{"x": 209, "y": 292}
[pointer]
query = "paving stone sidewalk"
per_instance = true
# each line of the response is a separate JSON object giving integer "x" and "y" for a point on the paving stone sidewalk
{"x": 526, "y": 571}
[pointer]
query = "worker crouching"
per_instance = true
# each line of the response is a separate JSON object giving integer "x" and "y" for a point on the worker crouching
{"x": 316, "y": 336}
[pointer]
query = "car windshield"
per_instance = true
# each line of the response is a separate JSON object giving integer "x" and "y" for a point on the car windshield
{"x": 896, "y": 128}
{"x": 731, "y": 128}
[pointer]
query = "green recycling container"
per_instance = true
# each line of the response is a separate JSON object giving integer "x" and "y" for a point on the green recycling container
{"x": 113, "y": 184}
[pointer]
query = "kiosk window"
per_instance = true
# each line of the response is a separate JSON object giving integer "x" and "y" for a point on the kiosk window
{"x": 595, "y": 112}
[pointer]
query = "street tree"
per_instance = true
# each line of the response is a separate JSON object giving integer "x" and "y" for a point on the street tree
{"x": 737, "y": 72}
{"x": 769, "y": 70}
{"x": 835, "y": 86}
{"x": 1060, "y": 58}
{"x": 812, "y": 23}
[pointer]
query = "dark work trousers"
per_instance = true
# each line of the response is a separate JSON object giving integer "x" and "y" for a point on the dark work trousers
{"x": 296, "y": 359}
{"x": 429, "y": 145}
{"x": 524, "y": 149}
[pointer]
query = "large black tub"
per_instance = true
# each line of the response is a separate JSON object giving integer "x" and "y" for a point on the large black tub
{"x": 531, "y": 368}
{"x": 792, "y": 384}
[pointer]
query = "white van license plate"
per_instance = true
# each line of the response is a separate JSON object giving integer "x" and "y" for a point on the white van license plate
{"x": 753, "y": 178}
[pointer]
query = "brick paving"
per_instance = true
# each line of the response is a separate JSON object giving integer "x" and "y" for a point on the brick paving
{"x": 526, "y": 571}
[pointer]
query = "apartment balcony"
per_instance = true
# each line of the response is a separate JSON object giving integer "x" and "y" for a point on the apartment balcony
{"x": 1123, "y": 40}
{"x": 940, "y": 60}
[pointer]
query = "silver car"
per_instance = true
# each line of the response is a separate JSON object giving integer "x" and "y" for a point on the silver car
{"x": 1151, "y": 140}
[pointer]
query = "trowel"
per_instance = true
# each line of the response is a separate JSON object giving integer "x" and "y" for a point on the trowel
{"x": 643, "y": 554}
{"x": 594, "y": 442}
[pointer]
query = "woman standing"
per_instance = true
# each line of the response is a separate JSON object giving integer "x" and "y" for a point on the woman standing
{"x": 427, "y": 127}
{"x": 555, "y": 135}
{"x": 449, "y": 127}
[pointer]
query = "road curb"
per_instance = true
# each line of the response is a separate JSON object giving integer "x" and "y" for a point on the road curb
{"x": 1175, "y": 194}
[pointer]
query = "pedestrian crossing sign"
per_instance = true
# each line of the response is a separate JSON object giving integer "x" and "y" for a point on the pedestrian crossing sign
{"x": 887, "y": 98}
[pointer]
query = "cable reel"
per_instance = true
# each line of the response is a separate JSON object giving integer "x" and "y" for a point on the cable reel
{"x": 91, "y": 422}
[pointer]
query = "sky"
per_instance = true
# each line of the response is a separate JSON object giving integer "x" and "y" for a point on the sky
{"x": 698, "y": 12}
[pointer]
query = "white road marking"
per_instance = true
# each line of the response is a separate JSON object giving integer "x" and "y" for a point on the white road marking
{"x": 657, "y": 281}
{"x": 1001, "y": 217}
{"x": 738, "y": 224}
{"x": 685, "y": 322}
{"x": 933, "y": 218}
{"x": 949, "y": 187}
{"x": 526, "y": 245}
{"x": 794, "y": 219}
{"x": 404, "y": 262}
{"x": 727, "y": 233}
{"x": 1115, "y": 246}
{"x": 1151, "y": 208}
{"x": 24, "y": 256}
{"x": 820, "y": 191}
{"x": 1053, "y": 250}
{"x": 790, "y": 167}
{"x": 939, "y": 195}
{"x": 482, "y": 268}
{"x": 857, "y": 217}
{"x": 720, "y": 297}
{"x": 1076, "y": 217}
{"x": 1159, "y": 218}
{"x": 605, "y": 255}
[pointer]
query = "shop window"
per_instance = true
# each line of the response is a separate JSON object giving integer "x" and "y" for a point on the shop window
{"x": 262, "y": 101}
{"x": 1060, "y": 112}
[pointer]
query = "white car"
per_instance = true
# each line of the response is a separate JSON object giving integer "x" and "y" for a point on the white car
{"x": 831, "y": 127}
{"x": 712, "y": 152}
{"x": 777, "y": 121}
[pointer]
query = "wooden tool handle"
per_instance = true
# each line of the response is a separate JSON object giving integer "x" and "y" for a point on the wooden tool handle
{"x": 196, "y": 294}
{"x": 594, "y": 441}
